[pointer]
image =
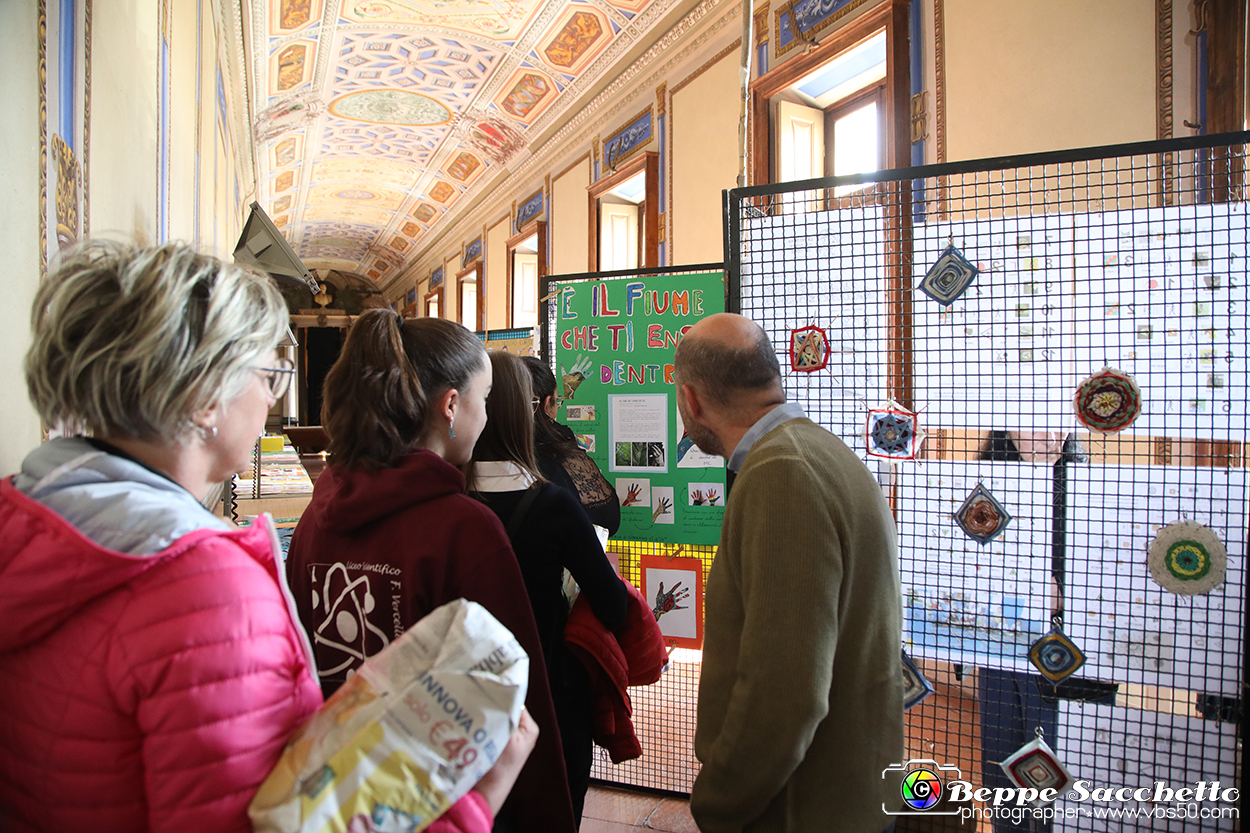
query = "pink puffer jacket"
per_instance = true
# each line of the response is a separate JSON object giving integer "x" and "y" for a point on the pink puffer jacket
{"x": 141, "y": 692}
{"x": 151, "y": 664}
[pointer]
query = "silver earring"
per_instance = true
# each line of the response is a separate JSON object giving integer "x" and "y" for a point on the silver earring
{"x": 451, "y": 430}
{"x": 207, "y": 434}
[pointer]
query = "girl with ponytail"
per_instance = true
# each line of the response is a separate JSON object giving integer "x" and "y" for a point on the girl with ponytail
{"x": 390, "y": 535}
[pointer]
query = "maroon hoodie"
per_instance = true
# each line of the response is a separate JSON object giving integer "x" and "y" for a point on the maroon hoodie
{"x": 375, "y": 551}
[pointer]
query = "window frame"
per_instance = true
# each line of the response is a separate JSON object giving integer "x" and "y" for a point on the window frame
{"x": 890, "y": 15}
{"x": 435, "y": 294}
{"x": 479, "y": 314}
{"x": 532, "y": 228}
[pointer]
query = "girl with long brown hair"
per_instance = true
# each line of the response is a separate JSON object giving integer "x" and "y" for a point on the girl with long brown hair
{"x": 550, "y": 532}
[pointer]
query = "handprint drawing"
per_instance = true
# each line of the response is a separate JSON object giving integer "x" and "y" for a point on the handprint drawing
{"x": 700, "y": 499}
{"x": 668, "y": 602}
{"x": 635, "y": 492}
{"x": 574, "y": 376}
{"x": 663, "y": 506}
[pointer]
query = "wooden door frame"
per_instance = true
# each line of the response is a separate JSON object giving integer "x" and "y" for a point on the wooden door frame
{"x": 649, "y": 240}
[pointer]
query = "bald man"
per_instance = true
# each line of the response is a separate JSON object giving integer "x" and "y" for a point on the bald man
{"x": 801, "y": 692}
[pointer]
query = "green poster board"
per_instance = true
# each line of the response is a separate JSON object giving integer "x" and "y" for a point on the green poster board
{"x": 615, "y": 341}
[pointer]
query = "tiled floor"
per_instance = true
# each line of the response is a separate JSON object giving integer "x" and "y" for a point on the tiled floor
{"x": 613, "y": 810}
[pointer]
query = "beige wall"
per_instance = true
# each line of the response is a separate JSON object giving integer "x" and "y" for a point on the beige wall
{"x": 704, "y": 114}
{"x": 1026, "y": 77}
{"x": 570, "y": 220}
{"x": 124, "y": 41}
{"x": 497, "y": 275}
{"x": 19, "y": 219}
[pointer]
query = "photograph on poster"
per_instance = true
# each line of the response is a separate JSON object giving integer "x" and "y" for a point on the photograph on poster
{"x": 633, "y": 491}
{"x": 662, "y": 509}
{"x": 674, "y": 587}
{"x": 688, "y": 454}
{"x": 705, "y": 494}
{"x": 579, "y": 413}
{"x": 638, "y": 431}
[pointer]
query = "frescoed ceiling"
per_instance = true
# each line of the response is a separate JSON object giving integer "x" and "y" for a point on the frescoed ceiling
{"x": 378, "y": 120}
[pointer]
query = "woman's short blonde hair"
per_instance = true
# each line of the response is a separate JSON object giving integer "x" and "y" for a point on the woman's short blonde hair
{"x": 139, "y": 342}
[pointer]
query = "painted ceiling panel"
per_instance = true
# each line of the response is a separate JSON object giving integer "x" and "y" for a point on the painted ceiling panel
{"x": 381, "y": 120}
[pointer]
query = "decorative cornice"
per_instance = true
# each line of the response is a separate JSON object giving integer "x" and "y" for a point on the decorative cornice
{"x": 41, "y": 31}
{"x": 86, "y": 128}
{"x": 939, "y": 79}
{"x": 1163, "y": 87}
{"x": 1163, "y": 68}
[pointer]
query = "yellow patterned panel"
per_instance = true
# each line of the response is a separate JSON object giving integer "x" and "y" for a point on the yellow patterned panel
{"x": 497, "y": 19}
{"x": 399, "y": 176}
{"x": 355, "y": 192}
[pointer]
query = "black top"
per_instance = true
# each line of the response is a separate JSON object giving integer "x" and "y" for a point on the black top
{"x": 556, "y": 534}
{"x": 567, "y": 465}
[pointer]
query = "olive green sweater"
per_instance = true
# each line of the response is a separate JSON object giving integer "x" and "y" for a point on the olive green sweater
{"x": 801, "y": 692}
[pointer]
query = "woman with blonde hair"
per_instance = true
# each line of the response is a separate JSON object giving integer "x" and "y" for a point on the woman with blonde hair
{"x": 550, "y": 532}
{"x": 150, "y": 668}
{"x": 390, "y": 533}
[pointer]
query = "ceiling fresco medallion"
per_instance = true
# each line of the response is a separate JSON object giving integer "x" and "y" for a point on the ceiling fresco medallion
{"x": 442, "y": 191}
{"x": 283, "y": 181}
{"x": 293, "y": 66}
{"x": 287, "y": 16}
{"x": 527, "y": 96}
{"x": 494, "y": 138}
{"x": 390, "y": 107}
{"x": 411, "y": 229}
{"x": 579, "y": 38}
{"x": 464, "y": 167}
{"x": 286, "y": 151}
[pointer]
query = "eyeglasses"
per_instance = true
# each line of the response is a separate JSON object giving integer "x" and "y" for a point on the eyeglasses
{"x": 278, "y": 378}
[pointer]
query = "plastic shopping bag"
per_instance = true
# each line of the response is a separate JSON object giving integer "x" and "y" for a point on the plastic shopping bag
{"x": 407, "y": 735}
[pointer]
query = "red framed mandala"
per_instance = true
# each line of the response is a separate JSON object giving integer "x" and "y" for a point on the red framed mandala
{"x": 809, "y": 349}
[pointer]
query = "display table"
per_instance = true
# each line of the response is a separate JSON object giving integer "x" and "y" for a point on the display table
{"x": 277, "y": 483}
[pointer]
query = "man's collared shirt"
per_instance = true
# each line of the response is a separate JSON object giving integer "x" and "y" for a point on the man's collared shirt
{"x": 782, "y": 413}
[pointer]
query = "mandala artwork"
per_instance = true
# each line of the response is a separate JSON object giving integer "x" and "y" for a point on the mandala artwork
{"x": 809, "y": 349}
{"x": 1056, "y": 656}
{"x": 893, "y": 432}
{"x": 981, "y": 517}
{"x": 949, "y": 278}
{"x": 915, "y": 687}
{"x": 1107, "y": 401}
{"x": 1188, "y": 559}
{"x": 1035, "y": 766}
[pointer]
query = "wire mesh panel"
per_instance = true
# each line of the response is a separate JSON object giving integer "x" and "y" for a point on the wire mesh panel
{"x": 1043, "y": 358}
